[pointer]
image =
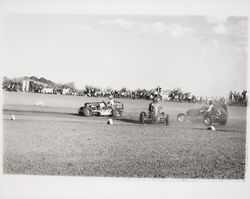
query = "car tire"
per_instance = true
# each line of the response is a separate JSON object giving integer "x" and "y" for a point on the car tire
{"x": 142, "y": 117}
{"x": 87, "y": 112}
{"x": 181, "y": 117}
{"x": 117, "y": 113}
{"x": 81, "y": 113}
{"x": 207, "y": 121}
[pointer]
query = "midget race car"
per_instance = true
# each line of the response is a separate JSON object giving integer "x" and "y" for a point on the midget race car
{"x": 218, "y": 115}
{"x": 101, "y": 109}
{"x": 154, "y": 118}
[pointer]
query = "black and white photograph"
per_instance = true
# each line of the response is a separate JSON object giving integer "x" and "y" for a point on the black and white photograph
{"x": 137, "y": 96}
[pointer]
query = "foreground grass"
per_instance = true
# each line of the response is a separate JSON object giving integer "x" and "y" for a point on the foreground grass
{"x": 92, "y": 148}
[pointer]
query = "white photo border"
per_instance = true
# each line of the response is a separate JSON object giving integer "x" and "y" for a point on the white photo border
{"x": 21, "y": 186}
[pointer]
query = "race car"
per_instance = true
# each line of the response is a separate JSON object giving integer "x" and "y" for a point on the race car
{"x": 155, "y": 115}
{"x": 101, "y": 109}
{"x": 218, "y": 115}
{"x": 154, "y": 119}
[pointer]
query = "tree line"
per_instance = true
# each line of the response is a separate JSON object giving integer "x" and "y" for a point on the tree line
{"x": 42, "y": 85}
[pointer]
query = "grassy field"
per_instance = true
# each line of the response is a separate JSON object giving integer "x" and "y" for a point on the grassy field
{"x": 53, "y": 140}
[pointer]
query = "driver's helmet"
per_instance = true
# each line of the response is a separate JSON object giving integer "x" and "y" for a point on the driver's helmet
{"x": 111, "y": 97}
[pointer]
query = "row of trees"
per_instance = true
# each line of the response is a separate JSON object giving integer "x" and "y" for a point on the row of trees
{"x": 93, "y": 91}
{"x": 36, "y": 85}
{"x": 177, "y": 95}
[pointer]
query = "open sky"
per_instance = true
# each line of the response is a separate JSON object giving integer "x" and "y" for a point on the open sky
{"x": 205, "y": 55}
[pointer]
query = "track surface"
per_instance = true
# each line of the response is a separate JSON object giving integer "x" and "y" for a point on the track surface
{"x": 53, "y": 140}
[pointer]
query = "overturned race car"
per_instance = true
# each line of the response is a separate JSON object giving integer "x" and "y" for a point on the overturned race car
{"x": 218, "y": 116}
{"x": 101, "y": 109}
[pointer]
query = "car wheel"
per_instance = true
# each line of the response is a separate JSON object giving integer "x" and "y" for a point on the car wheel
{"x": 142, "y": 117}
{"x": 167, "y": 120}
{"x": 87, "y": 112}
{"x": 181, "y": 117}
{"x": 117, "y": 113}
{"x": 80, "y": 113}
{"x": 207, "y": 121}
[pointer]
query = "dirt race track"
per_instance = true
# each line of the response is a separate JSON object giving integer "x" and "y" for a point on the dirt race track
{"x": 51, "y": 139}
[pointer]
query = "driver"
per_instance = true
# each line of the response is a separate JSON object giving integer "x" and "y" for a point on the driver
{"x": 111, "y": 102}
{"x": 154, "y": 107}
{"x": 210, "y": 111}
{"x": 210, "y": 108}
{"x": 102, "y": 105}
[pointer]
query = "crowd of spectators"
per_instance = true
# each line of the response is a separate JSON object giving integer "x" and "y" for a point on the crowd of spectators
{"x": 174, "y": 95}
{"x": 238, "y": 98}
{"x": 122, "y": 93}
